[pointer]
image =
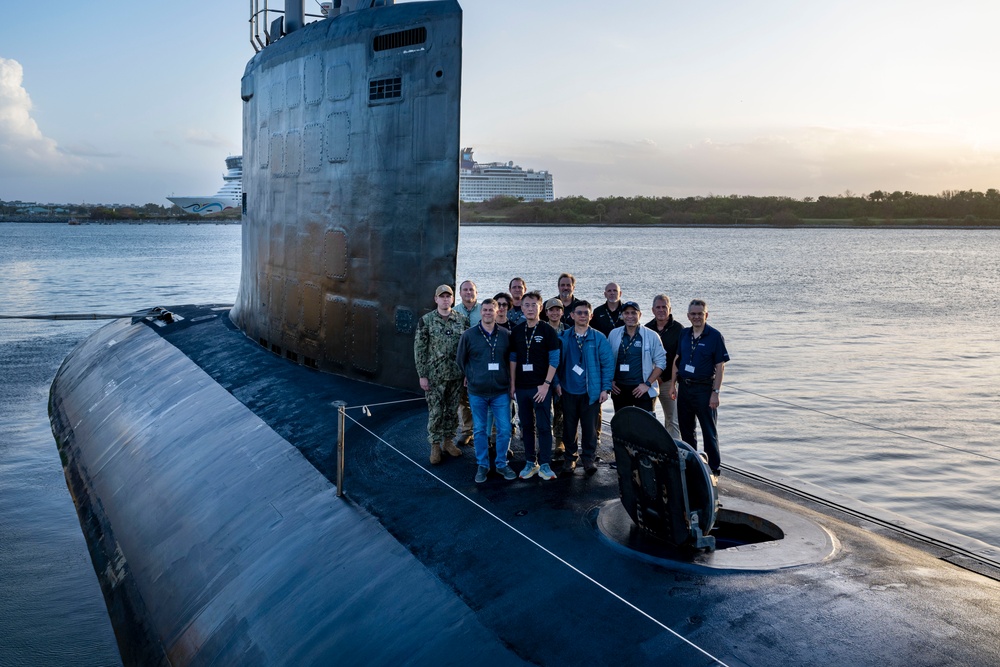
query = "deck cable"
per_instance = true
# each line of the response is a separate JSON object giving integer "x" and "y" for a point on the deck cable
{"x": 365, "y": 406}
{"x": 543, "y": 548}
{"x": 861, "y": 423}
{"x": 75, "y": 316}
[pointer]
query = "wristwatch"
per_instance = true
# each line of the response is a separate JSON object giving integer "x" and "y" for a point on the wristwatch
{"x": 716, "y": 391}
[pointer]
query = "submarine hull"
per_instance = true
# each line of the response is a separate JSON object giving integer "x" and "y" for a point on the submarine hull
{"x": 201, "y": 463}
{"x": 198, "y": 444}
{"x": 216, "y": 541}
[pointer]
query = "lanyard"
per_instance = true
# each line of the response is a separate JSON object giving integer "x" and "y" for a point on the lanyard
{"x": 529, "y": 335}
{"x": 695, "y": 341}
{"x": 491, "y": 340}
{"x": 579, "y": 341}
{"x": 627, "y": 343}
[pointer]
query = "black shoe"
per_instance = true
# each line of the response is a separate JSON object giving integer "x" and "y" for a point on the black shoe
{"x": 590, "y": 468}
{"x": 569, "y": 465}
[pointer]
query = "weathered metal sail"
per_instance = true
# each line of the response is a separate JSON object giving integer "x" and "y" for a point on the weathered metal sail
{"x": 351, "y": 150}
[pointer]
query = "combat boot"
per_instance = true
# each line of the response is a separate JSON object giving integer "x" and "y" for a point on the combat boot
{"x": 450, "y": 447}
{"x": 435, "y": 453}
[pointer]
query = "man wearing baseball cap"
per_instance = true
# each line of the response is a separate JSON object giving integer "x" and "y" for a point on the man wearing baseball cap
{"x": 552, "y": 312}
{"x": 434, "y": 348}
{"x": 639, "y": 361}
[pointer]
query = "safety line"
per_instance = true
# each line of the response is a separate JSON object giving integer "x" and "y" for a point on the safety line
{"x": 375, "y": 405}
{"x": 74, "y": 316}
{"x": 546, "y": 550}
{"x": 861, "y": 423}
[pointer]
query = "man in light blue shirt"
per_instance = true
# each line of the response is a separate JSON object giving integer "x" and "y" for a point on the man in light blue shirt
{"x": 468, "y": 306}
{"x": 586, "y": 370}
{"x": 472, "y": 309}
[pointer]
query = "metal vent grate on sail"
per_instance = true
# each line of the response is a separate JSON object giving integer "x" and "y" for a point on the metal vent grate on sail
{"x": 398, "y": 40}
{"x": 385, "y": 89}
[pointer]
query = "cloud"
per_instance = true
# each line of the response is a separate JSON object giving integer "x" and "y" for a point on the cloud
{"x": 795, "y": 162}
{"x": 86, "y": 149}
{"x": 207, "y": 139}
{"x": 23, "y": 147}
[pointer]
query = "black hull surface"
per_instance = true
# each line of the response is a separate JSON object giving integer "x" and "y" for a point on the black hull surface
{"x": 201, "y": 467}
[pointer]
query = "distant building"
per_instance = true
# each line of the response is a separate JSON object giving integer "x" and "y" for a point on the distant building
{"x": 33, "y": 210}
{"x": 479, "y": 182}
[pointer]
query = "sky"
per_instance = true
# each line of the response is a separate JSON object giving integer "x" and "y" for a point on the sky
{"x": 128, "y": 102}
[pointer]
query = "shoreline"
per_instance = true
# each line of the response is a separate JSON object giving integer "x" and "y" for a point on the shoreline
{"x": 763, "y": 225}
{"x": 119, "y": 221}
{"x": 846, "y": 224}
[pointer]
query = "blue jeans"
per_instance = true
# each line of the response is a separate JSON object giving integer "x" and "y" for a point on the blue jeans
{"x": 535, "y": 417}
{"x": 499, "y": 405}
{"x": 491, "y": 427}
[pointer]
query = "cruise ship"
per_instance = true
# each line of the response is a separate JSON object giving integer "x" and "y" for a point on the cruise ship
{"x": 480, "y": 182}
{"x": 229, "y": 196}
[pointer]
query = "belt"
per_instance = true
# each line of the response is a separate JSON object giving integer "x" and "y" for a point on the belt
{"x": 697, "y": 382}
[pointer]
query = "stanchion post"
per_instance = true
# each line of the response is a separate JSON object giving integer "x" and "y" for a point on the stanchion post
{"x": 341, "y": 411}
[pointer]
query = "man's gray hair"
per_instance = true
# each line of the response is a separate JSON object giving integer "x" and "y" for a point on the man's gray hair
{"x": 662, "y": 297}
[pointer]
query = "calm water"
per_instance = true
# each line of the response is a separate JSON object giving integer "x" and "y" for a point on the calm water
{"x": 51, "y": 608}
{"x": 889, "y": 328}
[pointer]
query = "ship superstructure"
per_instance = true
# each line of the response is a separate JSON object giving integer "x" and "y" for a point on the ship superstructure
{"x": 229, "y": 196}
{"x": 480, "y": 182}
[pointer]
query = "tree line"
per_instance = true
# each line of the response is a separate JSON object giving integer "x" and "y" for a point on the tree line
{"x": 104, "y": 213}
{"x": 957, "y": 207}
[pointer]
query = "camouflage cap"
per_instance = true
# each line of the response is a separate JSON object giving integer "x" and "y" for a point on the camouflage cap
{"x": 442, "y": 289}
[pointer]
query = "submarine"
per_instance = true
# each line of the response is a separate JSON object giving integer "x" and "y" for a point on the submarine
{"x": 251, "y": 480}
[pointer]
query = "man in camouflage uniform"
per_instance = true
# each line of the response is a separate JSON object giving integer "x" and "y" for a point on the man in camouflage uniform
{"x": 434, "y": 349}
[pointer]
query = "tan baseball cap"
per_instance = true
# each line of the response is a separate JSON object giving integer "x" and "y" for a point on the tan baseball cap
{"x": 442, "y": 289}
{"x": 554, "y": 302}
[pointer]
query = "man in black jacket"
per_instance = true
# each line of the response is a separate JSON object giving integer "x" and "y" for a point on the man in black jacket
{"x": 483, "y": 356}
{"x": 608, "y": 315}
{"x": 669, "y": 329}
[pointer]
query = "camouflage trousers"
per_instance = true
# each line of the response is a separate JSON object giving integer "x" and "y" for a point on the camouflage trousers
{"x": 557, "y": 421}
{"x": 442, "y": 409}
{"x": 464, "y": 416}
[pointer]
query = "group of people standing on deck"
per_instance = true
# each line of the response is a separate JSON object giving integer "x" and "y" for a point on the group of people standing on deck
{"x": 556, "y": 362}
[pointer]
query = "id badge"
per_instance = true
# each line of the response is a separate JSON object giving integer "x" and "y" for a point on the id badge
{"x": 689, "y": 368}
{"x": 527, "y": 367}
{"x": 623, "y": 368}
{"x": 577, "y": 369}
{"x": 493, "y": 367}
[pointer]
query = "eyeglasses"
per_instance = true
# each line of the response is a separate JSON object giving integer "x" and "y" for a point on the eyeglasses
{"x": 501, "y": 304}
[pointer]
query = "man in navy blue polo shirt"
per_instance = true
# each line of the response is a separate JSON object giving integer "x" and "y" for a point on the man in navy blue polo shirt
{"x": 699, "y": 366}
